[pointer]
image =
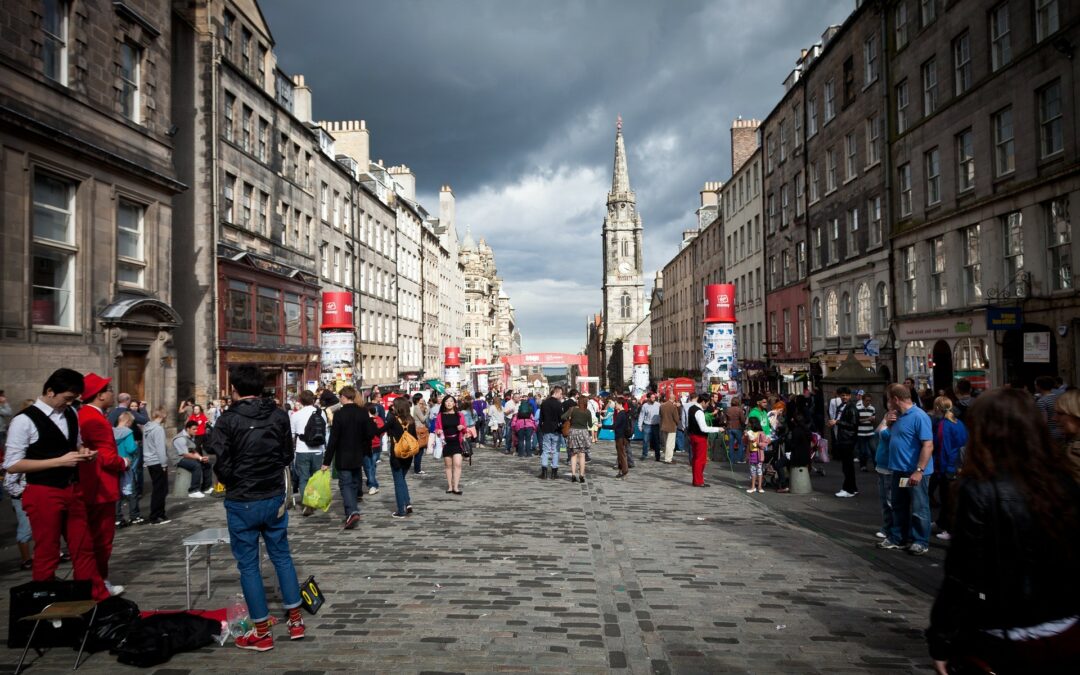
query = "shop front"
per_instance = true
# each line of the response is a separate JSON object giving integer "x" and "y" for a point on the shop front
{"x": 936, "y": 353}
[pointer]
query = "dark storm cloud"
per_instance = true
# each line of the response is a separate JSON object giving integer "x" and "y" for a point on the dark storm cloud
{"x": 513, "y": 103}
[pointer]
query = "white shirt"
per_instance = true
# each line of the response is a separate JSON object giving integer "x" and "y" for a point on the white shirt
{"x": 703, "y": 424}
{"x": 298, "y": 422}
{"x": 22, "y": 433}
{"x": 510, "y": 408}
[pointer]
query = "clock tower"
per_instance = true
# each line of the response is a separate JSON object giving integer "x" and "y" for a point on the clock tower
{"x": 624, "y": 287}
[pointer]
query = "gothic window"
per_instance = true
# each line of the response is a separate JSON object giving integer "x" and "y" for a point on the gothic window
{"x": 626, "y": 248}
{"x": 832, "y": 325}
{"x": 624, "y": 306}
{"x": 862, "y": 310}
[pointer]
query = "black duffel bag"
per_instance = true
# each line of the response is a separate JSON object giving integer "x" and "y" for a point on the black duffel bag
{"x": 114, "y": 619}
{"x": 155, "y": 639}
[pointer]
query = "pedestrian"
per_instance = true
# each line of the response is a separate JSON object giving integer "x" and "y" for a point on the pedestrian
{"x": 450, "y": 428}
{"x": 594, "y": 409}
{"x": 253, "y": 442}
{"x": 580, "y": 438}
{"x": 309, "y": 451}
{"x": 420, "y": 417}
{"x": 908, "y": 432}
{"x": 479, "y": 408}
{"x": 736, "y": 420}
{"x": 524, "y": 430}
{"x": 1007, "y": 604}
{"x": 371, "y": 458}
{"x": 495, "y": 421}
{"x": 950, "y": 437}
{"x": 761, "y": 412}
{"x": 1067, "y": 408}
{"x": 156, "y": 459}
{"x": 551, "y": 412}
{"x": 43, "y": 443}
{"x": 669, "y": 426}
{"x": 756, "y": 442}
{"x": 649, "y": 422}
{"x": 99, "y": 480}
{"x": 845, "y": 427}
{"x": 353, "y": 431}
{"x": 623, "y": 427}
{"x": 964, "y": 399}
{"x": 1045, "y": 398}
{"x": 125, "y": 446}
{"x": 698, "y": 429}
{"x": 399, "y": 422}
{"x": 190, "y": 459}
{"x": 5, "y": 417}
{"x": 866, "y": 440}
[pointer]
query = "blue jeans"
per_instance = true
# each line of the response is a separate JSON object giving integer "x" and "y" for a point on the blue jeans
{"x": 23, "y": 533}
{"x": 247, "y": 522}
{"x": 735, "y": 440}
{"x": 884, "y": 486}
{"x": 525, "y": 442}
{"x": 349, "y": 481}
{"x": 401, "y": 489}
{"x": 127, "y": 490}
{"x": 369, "y": 469}
{"x": 306, "y": 464}
{"x": 680, "y": 440}
{"x": 549, "y": 456}
{"x": 650, "y": 438}
{"x": 865, "y": 448}
{"x": 509, "y": 437}
{"x": 911, "y": 511}
{"x": 417, "y": 458}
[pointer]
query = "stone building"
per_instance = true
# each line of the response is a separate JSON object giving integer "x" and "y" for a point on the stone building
{"x": 849, "y": 256}
{"x": 431, "y": 253}
{"x": 378, "y": 346}
{"x": 86, "y": 150}
{"x": 451, "y": 274}
{"x": 410, "y": 220}
{"x": 984, "y": 167}
{"x": 744, "y": 248}
{"x": 489, "y": 324}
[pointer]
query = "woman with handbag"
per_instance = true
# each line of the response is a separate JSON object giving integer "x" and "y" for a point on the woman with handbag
{"x": 579, "y": 438}
{"x": 450, "y": 428}
{"x": 1010, "y": 602}
{"x": 398, "y": 422}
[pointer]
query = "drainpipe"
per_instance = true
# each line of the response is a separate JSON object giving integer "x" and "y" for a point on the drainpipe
{"x": 886, "y": 169}
{"x": 215, "y": 78}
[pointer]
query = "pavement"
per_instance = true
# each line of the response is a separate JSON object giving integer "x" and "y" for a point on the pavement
{"x": 643, "y": 575}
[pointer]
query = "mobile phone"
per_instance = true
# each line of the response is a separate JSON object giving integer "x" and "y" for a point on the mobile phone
{"x": 904, "y": 482}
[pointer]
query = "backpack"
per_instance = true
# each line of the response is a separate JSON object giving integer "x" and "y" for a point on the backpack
{"x": 407, "y": 446}
{"x": 314, "y": 430}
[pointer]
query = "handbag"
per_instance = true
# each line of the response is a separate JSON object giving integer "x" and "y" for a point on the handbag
{"x": 566, "y": 428}
{"x": 311, "y": 596}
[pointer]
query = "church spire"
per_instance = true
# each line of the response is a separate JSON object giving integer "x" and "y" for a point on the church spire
{"x": 620, "y": 180}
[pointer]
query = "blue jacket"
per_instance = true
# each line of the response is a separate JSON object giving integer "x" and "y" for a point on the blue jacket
{"x": 949, "y": 438}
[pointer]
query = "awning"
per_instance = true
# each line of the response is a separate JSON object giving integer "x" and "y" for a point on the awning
{"x": 132, "y": 311}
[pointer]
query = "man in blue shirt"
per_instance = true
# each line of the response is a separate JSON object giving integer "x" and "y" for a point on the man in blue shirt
{"x": 909, "y": 435}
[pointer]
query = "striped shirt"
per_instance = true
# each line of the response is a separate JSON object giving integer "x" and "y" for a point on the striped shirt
{"x": 866, "y": 420}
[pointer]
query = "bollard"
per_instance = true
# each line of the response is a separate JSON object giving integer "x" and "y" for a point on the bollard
{"x": 181, "y": 483}
{"x": 800, "y": 480}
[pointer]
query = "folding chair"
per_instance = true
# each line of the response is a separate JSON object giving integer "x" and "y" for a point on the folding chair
{"x": 57, "y": 611}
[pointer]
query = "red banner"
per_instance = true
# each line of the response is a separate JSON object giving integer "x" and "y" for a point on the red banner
{"x": 641, "y": 355}
{"x": 337, "y": 310}
{"x": 720, "y": 303}
{"x": 452, "y": 356}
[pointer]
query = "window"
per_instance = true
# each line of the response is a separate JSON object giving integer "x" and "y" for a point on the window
{"x": 845, "y": 308}
{"x": 832, "y": 324}
{"x": 782, "y": 132}
{"x": 53, "y": 252}
{"x": 294, "y": 320}
{"x": 770, "y": 150}
{"x": 932, "y": 161}
{"x": 873, "y": 207}
{"x": 904, "y": 183}
{"x": 834, "y": 240}
{"x": 799, "y": 192}
{"x": 911, "y": 289}
{"x": 624, "y": 306}
{"x": 324, "y": 261}
{"x": 870, "y": 60}
{"x": 1050, "y": 138}
{"x": 245, "y": 50}
{"x": 1000, "y": 44}
{"x": 961, "y": 49}
{"x": 929, "y": 80}
{"x": 774, "y": 279}
{"x": 1013, "y": 247}
{"x": 230, "y": 123}
{"x": 785, "y": 204}
{"x": 800, "y": 260}
{"x": 801, "y": 313}
{"x": 130, "y": 65}
{"x": 873, "y": 140}
{"x": 228, "y": 20}
{"x": 937, "y": 272}
{"x": 816, "y": 309}
{"x": 264, "y": 214}
{"x": 337, "y": 210}
{"x": 927, "y": 11}
{"x": 965, "y": 160}
{"x": 468, "y": 330}
{"x": 1059, "y": 242}
{"x": 264, "y": 140}
{"x": 131, "y": 261}
{"x": 814, "y": 193}
{"x": 54, "y": 43}
{"x": 901, "y": 26}
{"x": 830, "y": 101}
{"x": 1003, "y": 142}
{"x": 972, "y": 268}
{"x": 796, "y": 115}
{"x": 247, "y": 116}
{"x": 862, "y": 310}
{"x": 785, "y": 267}
{"x": 324, "y": 202}
{"x": 852, "y": 232}
{"x": 811, "y": 117}
{"x": 238, "y": 312}
{"x": 337, "y": 265}
{"x": 249, "y": 197}
{"x": 852, "y": 156}
{"x": 849, "y": 80}
{"x": 883, "y": 307}
{"x": 815, "y": 248}
{"x": 1046, "y": 18}
{"x": 830, "y": 170}
{"x": 229, "y": 206}
{"x": 773, "y": 335}
{"x": 787, "y": 331}
{"x": 901, "y": 107}
{"x": 771, "y": 201}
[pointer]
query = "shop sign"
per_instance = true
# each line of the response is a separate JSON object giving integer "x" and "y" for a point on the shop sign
{"x": 720, "y": 303}
{"x": 1004, "y": 318}
{"x": 872, "y": 347}
{"x": 936, "y": 329}
{"x": 1037, "y": 347}
{"x": 337, "y": 310}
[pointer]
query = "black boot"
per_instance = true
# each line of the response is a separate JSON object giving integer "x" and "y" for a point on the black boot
{"x": 554, "y": 474}
{"x": 543, "y": 473}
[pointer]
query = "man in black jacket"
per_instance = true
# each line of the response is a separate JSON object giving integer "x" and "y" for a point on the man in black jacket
{"x": 551, "y": 411}
{"x": 846, "y": 432}
{"x": 253, "y": 444}
{"x": 353, "y": 430}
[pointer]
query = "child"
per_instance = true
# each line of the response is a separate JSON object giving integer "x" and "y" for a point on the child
{"x": 126, "y": 448}
{"x": 755, "y": 457}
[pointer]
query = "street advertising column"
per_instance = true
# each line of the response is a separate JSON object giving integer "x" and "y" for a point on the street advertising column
{"x": 639, "y": 382}
{"x": 719, "y": 362}
{"x": 338, "y": 341}
{"x": 481, "y": 381}
{"x": 452, "y": 367}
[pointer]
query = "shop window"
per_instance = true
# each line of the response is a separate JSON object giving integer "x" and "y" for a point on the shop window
{"x": 915, "y": 360}
{"x": 293, "y": 320}
{"x": 268, "y": 316}
{"x": 238, "y": 315}
{"x": 311, "y": 306}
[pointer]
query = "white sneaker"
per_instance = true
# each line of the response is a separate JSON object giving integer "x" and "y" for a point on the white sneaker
{"x": 373, "y": 491}
{"x": 751, "y": 491}
{"x": 879, "y": 534}
{"x": 845, "y": 493}
{"x": 761, "y": 491}
{"x": 944, "y": 536}
{"x": 196, "y": 495}
{"x": 114, "y": 590}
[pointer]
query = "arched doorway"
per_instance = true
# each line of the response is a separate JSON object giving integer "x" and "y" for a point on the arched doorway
{"x": 943, "y": 366}
{"x": 1021, "y": 371}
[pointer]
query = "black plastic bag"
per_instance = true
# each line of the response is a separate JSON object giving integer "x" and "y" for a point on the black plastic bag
{"x": 155, "y": 639}
{"x": 114, "y": 619}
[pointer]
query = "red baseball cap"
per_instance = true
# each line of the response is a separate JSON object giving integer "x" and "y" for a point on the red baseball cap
{"x": 93, "y": 385}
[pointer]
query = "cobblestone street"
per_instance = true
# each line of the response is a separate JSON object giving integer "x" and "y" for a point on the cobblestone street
{"x": 646, "y": 575}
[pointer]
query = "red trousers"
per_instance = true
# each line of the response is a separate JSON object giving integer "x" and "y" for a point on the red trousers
{"x": 101, "y": 523}
{"x": 699, "y": 449}
{"x": 56, "y": 512}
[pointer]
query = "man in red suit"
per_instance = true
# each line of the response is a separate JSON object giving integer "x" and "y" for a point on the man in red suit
{"x": 99, "y": 480}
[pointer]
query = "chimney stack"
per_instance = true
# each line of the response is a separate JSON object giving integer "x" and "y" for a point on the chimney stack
{"x": 351, "y": 138}
{"x": 406, "y": 181}
{"x": 743, "y": 141}
{"x": 301, "y": 99}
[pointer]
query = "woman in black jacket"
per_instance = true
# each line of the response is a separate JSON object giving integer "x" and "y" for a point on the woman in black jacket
{"x": 1010, "y": 602}
{"x": 400, "y": 419}
{"x": 624, "y": 431}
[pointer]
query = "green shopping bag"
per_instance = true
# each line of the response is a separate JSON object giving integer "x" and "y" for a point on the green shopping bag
{"x": 317, "y": 491}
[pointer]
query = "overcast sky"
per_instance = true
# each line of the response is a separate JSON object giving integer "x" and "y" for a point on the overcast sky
{"x": 513, "y": 103}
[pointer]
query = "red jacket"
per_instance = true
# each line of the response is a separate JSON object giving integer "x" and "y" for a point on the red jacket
{"x": 99, "y": 480}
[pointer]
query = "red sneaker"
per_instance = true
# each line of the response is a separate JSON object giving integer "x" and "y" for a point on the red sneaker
{"x": 296, "y": 629}
{"x": 255, "y": 642}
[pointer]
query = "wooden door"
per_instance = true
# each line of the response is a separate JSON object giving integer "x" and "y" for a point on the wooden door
{"x": 133, "y": 375}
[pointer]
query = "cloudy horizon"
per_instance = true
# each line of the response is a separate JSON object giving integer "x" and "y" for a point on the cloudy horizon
{"x": 514, "y": 104}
